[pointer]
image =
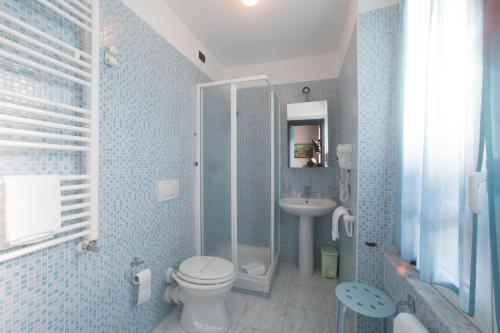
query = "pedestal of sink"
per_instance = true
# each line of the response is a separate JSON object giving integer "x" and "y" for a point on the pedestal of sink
{"x": 306, "y": 246}
{"x": 307, "y": 209}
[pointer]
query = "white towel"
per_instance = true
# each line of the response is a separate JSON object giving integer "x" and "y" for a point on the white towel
{"x": 337, "y": 213}
{"x": 254, "y": 268}
{"x": 32, "y": 208}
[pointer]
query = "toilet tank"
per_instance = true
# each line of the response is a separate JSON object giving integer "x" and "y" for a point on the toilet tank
{"x": 408, "y": 323}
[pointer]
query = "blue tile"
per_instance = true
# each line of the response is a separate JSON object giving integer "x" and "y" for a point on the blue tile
{"x": 377, "y": 66}
{"x": 146, "y": 122}
{"x": 323, "y": 181}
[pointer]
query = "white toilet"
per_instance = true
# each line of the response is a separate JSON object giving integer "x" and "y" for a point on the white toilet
{"x": 201, "y": 284}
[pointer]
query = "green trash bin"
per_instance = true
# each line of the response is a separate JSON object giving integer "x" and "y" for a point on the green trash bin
{"x": 329, "y": 262}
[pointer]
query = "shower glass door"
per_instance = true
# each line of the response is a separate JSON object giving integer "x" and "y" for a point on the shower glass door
{"x": 276, "y": 166}
{"x": 237, "y": 180}
{"x": 255, "y": 176}
{"x": 215, "y": 196}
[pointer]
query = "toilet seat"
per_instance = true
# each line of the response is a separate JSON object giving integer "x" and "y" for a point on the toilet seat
{"x": 204, "y": 270}
{"x": 201, "y": 286}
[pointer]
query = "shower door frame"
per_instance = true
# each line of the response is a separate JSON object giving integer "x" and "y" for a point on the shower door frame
{"x": 244, "y": 281}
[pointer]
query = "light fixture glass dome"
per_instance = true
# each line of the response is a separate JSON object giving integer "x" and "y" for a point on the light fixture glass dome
{"x": 250, "y": 3}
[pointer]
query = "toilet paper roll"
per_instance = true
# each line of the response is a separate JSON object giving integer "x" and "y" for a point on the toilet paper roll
{"x": 143, "y": 281}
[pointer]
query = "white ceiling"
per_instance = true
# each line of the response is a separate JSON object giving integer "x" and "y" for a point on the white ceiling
{"x": 271, "y": 30}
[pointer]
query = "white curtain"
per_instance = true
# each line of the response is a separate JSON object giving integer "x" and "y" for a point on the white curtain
{"x": 442, "y": 77}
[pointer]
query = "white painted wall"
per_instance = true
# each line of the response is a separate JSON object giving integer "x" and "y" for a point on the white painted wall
{"x": 312, "y": 68}
{"x": 368, "y": 5}
{"x": 291, "y": 70}
{"x": 349, "y": 25}
{"x": 163, "y": 20}
{"x": 158, "y": 15}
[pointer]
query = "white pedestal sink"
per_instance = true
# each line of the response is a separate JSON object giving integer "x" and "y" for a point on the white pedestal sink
{"x": 307, "y": 209}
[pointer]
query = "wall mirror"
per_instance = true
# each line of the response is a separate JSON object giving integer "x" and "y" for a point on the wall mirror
{"x": 307, "y": 134}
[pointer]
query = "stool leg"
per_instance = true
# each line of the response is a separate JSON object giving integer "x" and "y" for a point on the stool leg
{"x": 344, "y": 310}
{"x": 337, "y": 317}
{"x": 382, "y": 325}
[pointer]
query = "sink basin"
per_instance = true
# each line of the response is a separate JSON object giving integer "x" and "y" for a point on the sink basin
{"x": 312, "y": 207}
{"x": 307, "y": 209}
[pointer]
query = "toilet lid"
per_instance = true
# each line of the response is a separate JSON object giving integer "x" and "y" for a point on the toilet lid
{"x": 206, "y": 268}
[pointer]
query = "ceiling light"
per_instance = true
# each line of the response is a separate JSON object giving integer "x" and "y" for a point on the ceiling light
{"x": 250, "y": 3}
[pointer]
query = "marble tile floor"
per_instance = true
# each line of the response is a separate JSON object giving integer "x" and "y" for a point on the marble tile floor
{"x": 295, "y": 305}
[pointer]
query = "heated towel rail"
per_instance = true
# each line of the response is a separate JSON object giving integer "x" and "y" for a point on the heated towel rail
{"x": 49, "y": 72}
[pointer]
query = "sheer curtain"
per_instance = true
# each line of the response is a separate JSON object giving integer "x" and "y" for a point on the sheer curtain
{"x": 442, "y": 78}
{"x": 491, "y": 109}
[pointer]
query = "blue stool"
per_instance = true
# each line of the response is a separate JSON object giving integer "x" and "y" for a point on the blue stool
{"x": 365, "y": 300}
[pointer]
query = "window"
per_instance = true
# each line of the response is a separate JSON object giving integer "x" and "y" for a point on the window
{"x": 441, "y": 148}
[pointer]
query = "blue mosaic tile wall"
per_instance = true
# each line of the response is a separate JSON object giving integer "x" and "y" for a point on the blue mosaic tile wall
{"x": 377, "y": 65}
{"x": 254, "y": 169}
{"x": 323, "y": 181}
{"x": 348, "y": 102}
{"x": 147, "y": 119}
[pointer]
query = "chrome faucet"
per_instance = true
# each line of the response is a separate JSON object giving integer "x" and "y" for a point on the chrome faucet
{"x": 307, "y": 191}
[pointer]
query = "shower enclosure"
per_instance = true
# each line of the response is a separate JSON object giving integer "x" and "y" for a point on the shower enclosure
{"x": 238, "y": 176}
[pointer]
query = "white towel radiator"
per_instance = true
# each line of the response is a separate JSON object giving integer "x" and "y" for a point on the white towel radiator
{"x": 33, "y": 118}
